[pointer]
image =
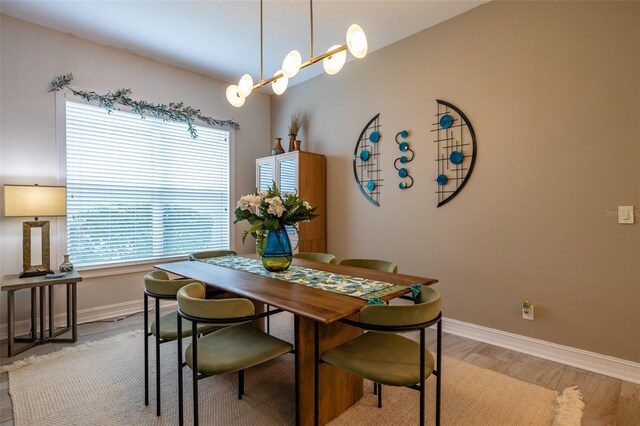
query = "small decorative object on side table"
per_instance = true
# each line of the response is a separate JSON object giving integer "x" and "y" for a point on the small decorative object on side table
{"x": 269, "y": 213}
{"x": 66, "y": 266}
{"x": 11, "y": 283}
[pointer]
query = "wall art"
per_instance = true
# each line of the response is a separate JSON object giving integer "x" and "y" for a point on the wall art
{"x": 406, "y": 157}
{"x": 366, "y": 161}
{"x": 456, "y": 145}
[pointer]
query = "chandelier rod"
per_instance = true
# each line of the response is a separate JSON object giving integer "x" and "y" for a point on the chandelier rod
{"x": 311, "y": 16}
{"x": 261, "y": 47}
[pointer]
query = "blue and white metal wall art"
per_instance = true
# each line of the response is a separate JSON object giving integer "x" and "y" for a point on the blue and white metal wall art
{"x": 366, "y": 161}
{"x": 403, "y": 146}
{"x": 456, "y": 142}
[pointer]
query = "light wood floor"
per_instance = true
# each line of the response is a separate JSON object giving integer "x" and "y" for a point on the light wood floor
{"x": 608, "y": 401}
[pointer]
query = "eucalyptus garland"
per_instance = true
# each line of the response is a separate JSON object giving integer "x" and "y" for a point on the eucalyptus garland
{"x": 175, "y": 111}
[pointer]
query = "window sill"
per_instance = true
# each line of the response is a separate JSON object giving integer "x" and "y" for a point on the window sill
{"x": 110, "y": 270}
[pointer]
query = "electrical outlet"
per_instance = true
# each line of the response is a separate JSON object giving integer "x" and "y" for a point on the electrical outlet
{"x": 527, "y": 310}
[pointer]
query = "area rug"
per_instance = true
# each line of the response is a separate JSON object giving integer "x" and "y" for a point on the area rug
{"x": 101, "y": 383}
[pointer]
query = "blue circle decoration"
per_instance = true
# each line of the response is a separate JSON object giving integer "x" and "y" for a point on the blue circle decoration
{"x": 402, "y": 172}
{"x": 446, "y": 121}
{"x": 403, "y": 159}
{"x": 364, "y": 155}
{"x": 404, "y": 146}
{"x": 442, "y": 180}
{"x": 404, "y": 133}
{"x": 374, "y": 136}
{"x": 402, "y": 185}
{"x": 371, "y": 185}
{"x": 456, "y": 157}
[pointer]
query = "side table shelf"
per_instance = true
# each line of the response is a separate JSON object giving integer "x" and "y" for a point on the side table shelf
{"x": 11, "y": 283}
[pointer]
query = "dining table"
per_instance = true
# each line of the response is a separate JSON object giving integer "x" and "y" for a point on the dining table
{"x": 317, "y": 314}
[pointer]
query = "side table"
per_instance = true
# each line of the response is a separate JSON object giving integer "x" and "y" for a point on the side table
{"x": 11, "y": 283}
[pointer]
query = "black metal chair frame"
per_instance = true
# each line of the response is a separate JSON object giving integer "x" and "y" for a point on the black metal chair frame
{"x": 396, "y": 328}
{"x": 158, "y": 340}
{"x": 227, "y": 321}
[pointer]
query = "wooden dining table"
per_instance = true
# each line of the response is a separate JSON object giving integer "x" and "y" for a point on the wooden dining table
{"x": 339, "y": 389}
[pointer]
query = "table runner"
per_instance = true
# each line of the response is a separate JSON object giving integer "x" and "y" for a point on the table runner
{"x": 362, "y": 288}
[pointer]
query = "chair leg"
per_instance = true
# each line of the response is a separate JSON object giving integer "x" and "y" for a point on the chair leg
{"x": 146, "y": 349}
{"x": 316, "y": 375}
{"x": 296, "y": 321}
{"x": 194, "y": 354}
{"x": 180, "y": 397}
{"x": 439, "y": 377}
{"x": 240, "y": 383}
{"x": 375, "y": 388}
{"x": 157, "y": 357}
{"x": 268, "y": 320}
{"x": 422, "y": 401}
{"x": 379, "y": 395}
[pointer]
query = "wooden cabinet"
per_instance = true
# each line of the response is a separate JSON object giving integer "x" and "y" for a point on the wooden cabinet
{"x": 303, "y": 172}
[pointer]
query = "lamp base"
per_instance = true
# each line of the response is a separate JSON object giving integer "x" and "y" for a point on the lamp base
{"x": 27, "y": 274}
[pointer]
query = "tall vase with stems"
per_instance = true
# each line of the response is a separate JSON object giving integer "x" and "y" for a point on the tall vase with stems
{"x": 292, "y": 141}
{"x": 277, "y": 254}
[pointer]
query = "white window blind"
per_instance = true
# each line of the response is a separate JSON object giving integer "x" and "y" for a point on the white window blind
{"x": 142, "y": 189}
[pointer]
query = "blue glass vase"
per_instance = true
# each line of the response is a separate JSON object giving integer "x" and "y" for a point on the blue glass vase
{"x": 277, "y": 253}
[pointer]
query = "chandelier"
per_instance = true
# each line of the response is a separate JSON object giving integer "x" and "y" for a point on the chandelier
{"x": 332, "y": 61}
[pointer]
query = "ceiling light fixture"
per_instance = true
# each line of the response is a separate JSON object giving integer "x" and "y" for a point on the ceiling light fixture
{"x": 332, "y": 62}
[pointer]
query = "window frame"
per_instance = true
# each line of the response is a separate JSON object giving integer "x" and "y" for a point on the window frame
{"x": 120, "y": 268}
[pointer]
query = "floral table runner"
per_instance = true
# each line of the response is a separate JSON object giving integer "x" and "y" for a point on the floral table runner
{"x": 362, "y": 288}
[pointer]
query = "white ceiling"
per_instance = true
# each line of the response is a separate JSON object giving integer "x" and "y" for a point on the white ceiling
{"x": 222, "y": 38}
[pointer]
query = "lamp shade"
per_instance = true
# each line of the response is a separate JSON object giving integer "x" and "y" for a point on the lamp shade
{"x": 35, "y": 201}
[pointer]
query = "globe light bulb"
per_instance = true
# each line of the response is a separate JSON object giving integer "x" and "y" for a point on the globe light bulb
{"x": 279, "y": 85}
{"x": 234, "y": 97}
{"x": 334, "y": 63}
{"x": 291, "y": 64}
{"x": 245, "y": 86}
{"x": 357, "y": 41}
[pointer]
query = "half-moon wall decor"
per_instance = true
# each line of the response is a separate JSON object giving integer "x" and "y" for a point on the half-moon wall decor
{"x": 403, "y": 146}
{"x": 366, "y": 161}
{"x": 456, "y": 142}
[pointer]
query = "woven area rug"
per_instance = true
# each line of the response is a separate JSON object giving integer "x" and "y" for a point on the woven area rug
{"x": 101, "y": 383}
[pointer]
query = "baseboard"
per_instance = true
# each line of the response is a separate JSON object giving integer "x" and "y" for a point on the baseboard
{"x": 590, "y": 361}
{"x": 87, "y": 315}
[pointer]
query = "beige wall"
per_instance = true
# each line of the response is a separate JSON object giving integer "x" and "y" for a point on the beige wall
{"x": 31, "y": 56}
{"x": 553, "y": 91}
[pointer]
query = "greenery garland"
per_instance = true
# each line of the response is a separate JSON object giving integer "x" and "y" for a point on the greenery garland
{"x": 175, "y": 111}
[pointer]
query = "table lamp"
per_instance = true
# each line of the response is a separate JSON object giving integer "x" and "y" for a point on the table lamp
{"x": 35, "y": 201}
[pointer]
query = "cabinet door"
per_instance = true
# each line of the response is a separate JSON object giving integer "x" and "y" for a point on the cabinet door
{"x": 288, "y": 182}
{"x": 265, "y": 173}
{"x": 288, "y": 174}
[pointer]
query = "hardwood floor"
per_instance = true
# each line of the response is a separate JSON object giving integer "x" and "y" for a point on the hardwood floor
{"x": 608, "y": 401}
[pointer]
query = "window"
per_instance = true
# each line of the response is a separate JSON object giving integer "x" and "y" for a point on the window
{"x": 143, "y": 189}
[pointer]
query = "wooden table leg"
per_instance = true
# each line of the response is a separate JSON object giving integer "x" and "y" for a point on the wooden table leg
{"x": 339, "y": 390}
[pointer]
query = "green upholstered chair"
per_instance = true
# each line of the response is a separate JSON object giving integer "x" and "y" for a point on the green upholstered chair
{"x": 210, "y": 253}
{"x": 212, "y": 292}
{"x": 236, "y": 347}
{"x": 316, "y": 257}
{"x": 159, "y": 286}
{"x": 385, "y": 357}
{"x": 378, "y": 265}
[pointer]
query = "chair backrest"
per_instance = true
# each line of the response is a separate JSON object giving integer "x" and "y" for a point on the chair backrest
{"x": 317, "y": 257}
{"x": 378, "y": 265}
{"x": 192, "y": 302}
{"x": 158, "y": 282}
{"x": 426, "y": 308}
{"x": 210, "y": 253}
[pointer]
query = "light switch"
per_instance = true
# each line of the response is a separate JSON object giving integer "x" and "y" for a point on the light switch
{"x": 625, "y": 214}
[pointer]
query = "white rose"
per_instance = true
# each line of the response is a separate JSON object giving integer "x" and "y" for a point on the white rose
{"x": 307, "y": 205}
